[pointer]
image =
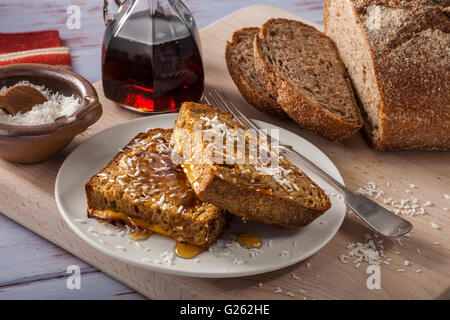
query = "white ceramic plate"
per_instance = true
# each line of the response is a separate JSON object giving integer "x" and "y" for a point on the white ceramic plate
{"x": 281, "y": 248}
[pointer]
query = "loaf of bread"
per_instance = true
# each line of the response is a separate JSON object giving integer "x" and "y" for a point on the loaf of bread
{"x": 300, "y": 66}
{"x": 397, "y": 53}
{"x": 241, "y": 66}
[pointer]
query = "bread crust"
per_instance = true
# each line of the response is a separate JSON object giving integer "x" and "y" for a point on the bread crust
{"x": 411, "y": 66}
{"x": 273, "y": 210}
{"x": 253, "y": 95}
{"x": 302, "y": 110}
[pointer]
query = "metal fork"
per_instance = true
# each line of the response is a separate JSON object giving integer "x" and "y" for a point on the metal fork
{"x": 376, "y": 216}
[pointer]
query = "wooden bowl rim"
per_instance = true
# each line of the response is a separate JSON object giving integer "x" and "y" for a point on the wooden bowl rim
{"x": 79, "y": 85}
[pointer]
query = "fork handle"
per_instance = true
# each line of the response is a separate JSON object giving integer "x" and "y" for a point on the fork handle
{"x": 375, "y": 215}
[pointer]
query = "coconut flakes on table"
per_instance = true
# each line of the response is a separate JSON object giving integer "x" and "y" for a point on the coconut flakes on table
{"x": 435, "y": 225}
{"x": 295, "y": 277}
{"x": 57, "y": 106}
{"x": 371, "y": 190}
{"x": 363, "y": 252}
{"x": 289, "y": 293}
{"x": 409, "y": 206}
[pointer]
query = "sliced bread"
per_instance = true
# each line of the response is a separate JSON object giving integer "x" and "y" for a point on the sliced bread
{"x": 300, "y": 66}
{"x": 143, "y": 189}
{"x": 276, "y": 193}
{"x": 240, "y": 62}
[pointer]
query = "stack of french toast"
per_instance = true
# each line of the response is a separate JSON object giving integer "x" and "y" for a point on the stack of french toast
{"x": 170, "y": 182}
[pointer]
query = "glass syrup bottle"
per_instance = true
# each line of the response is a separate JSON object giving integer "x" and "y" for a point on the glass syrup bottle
{"x": 151, "y": 59}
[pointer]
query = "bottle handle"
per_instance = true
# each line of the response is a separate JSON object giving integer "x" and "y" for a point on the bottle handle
{"x": 106, "y": 16}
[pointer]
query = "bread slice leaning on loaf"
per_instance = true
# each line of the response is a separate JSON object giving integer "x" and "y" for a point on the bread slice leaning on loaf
{"x": 275, "y": 193}
{"x": 300, "y": 66}
{"x": 241, "y": 66}
{"x": 398, "y": 57}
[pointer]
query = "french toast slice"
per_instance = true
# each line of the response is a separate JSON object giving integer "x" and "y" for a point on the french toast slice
{"x": 275, "y": 193}
{"x": 143, "y": 189}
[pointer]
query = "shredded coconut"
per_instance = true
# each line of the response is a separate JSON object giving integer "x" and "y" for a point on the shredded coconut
{"x": 434, "y": 225}
{"x": 294, "y": 276}
{"x": 410, "y": 206}
{"x": 364, "y": 252}
{"x": 168, "y": 257}
{"x": 57, "y": 106}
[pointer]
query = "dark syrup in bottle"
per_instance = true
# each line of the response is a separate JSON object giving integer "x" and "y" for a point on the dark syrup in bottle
{"x": 152, "y": 67}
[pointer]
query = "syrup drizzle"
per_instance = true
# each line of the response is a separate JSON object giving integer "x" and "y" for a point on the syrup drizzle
{"x": 140, "y": 235}
{"x": 187, "y": 251}
{"x": 249, "y": 240}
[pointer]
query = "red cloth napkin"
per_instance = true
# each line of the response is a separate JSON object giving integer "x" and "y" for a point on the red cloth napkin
{"x": 34, "y": 47}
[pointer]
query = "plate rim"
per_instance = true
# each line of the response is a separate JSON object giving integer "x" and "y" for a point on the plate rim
{"x": 161, "y": 268}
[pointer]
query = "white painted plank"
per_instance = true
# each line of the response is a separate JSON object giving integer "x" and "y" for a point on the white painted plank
{"x": 94, "y": 286}
{"x": 87, "y": 62}
{"x": 25, "y": 256}
{"x": 31, "y": 265}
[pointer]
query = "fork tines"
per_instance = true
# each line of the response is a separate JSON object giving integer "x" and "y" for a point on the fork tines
{"x": 218, "y": 99}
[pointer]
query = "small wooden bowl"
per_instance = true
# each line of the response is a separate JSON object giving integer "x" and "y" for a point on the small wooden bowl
{"x": 36, "y": 143}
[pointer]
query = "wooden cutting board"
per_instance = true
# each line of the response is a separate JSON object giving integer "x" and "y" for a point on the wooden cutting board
{"x": 26, "y": 196}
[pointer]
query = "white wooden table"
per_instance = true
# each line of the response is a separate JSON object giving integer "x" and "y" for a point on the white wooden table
{"x": 31, "y": 267}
